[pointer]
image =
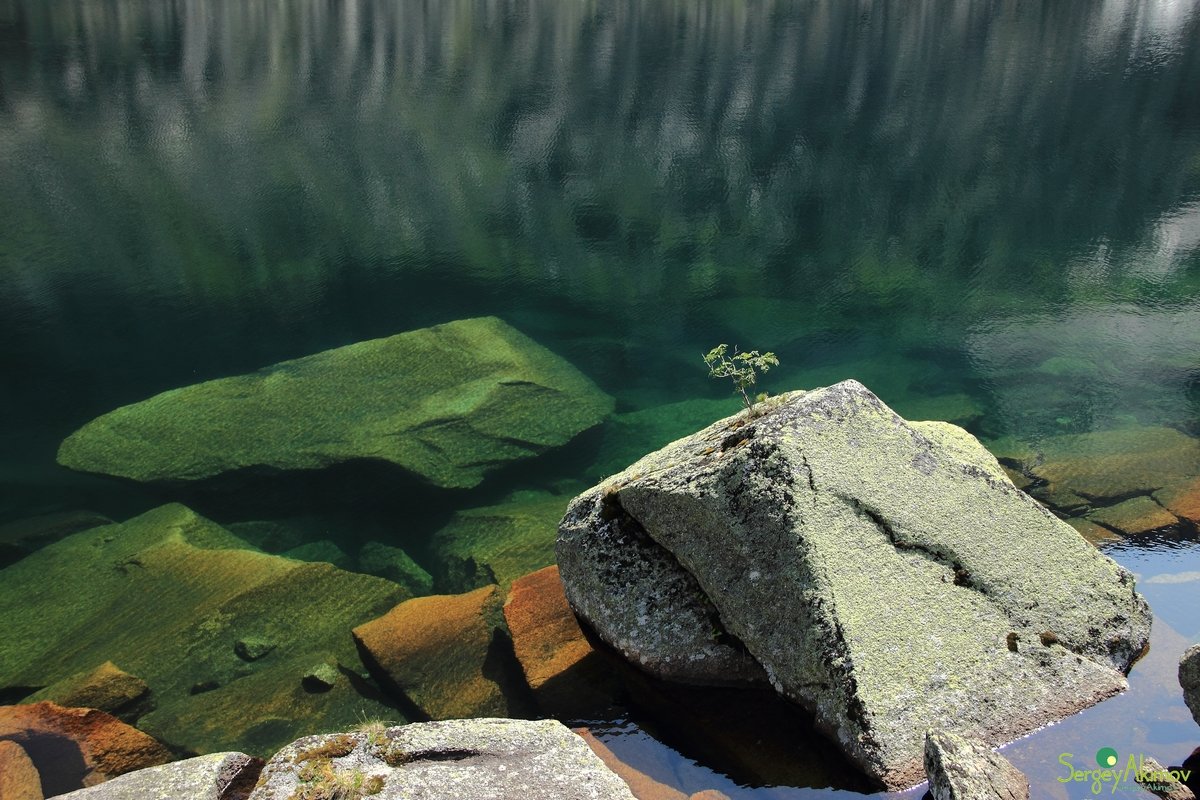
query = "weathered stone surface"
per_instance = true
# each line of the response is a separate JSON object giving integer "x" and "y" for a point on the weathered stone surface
{"x": 857, "y": 558}
{"x": 77, "y": 747}
{"x": 107, "y": 688}
{"x": 497, "y": 544}
{"x": 1117, "y": 463}
{"x": 19, "y": 778}
{"x": 168, "y": 595}
{"x": 394, "y": 564}
{"x": 1133, "y": 516}
{"x": 1189, "y": 679}
{"x": 447, "y": 654}
{"x": 1182, "y": 499}
{"x": 447, "y": 403}
{"x": 1159, "y": 780}
{"x": 218, "y": 776}
{"x": 476, "y": 759}
{"x": 569, "y": 679}
{"x": 961, "y": 769}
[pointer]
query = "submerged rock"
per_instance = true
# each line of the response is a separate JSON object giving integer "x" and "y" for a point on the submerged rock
{"x": 169, "y": 595}
{"x": 393, "y": 563}
{"x": 1116, "y": 463}
{"x": 1133, "y": 516}
{"x": 77, "y": 747}
{"x": 19, "y": 778}
{"x": 569, "y": 679}
{"x": 961, "y": 769}
{"x": 449, "y": 655}
{"x": 1182, "y": 499}
{"x": 473, "y": 759}
{"x": 218, "y": 776}
{"x": 886, "y": 575}
{"x": 447, "y": 403}
{"x": 106, "y": 688}
{"x": 497, "y": 544}
{"x": 1189, "y": 679}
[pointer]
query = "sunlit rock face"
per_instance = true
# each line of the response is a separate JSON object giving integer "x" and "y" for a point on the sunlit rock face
{"x": 885, "y": 574}
{"x": 446, "y": 403}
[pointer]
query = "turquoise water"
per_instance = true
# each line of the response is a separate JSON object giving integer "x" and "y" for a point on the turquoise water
{"x": 988, "y": 211}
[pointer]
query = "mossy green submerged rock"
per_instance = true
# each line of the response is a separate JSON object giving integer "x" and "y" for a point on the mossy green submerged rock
{"x": 172, "y": 597}
{"x": 498, "y": 544}
{"x": 887, "y": 575}
{"x": 447, "y": 403}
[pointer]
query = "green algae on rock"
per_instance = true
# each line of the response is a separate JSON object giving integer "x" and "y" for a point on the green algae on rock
{"x": 169, "y": 595}
{"x": 887, "y": 575}
{"x": 498, "y": 544}
{"x": 1133, "y": 516}
{"x": 446, "y": 403}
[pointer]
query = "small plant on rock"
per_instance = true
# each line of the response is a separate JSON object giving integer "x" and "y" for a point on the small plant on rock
{"x": 741, "y": 368}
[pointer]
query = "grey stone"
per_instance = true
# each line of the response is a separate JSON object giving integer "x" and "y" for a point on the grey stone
{"x": 886, "y": 575}
{"x": 961, "y": 769}
{"x": 218, "y": 776}
{"x": 470, "y": 759}
{"x": 1189, "y": 679}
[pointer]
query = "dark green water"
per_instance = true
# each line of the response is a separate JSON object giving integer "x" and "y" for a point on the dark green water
{"x": 994, "y": 206}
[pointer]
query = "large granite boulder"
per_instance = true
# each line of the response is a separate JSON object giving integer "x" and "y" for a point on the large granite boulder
{"x": 217, "y": 776}
{"x": 19, "y": 778}
{"x": 223, "y": 636}
{"x": 472, "y": 759}
{"x": 886, "y": 575}
{"x": 447, "y": 403}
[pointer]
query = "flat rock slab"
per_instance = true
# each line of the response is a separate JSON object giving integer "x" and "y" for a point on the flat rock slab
{"x": 886, "y": 575}
{"x": 106, "y": 688}
{"x": 1133, "y": 516}
{"x": 1116, "y": 463}
{"x": 446, "y": 403}
{"x": 1182, "y": 499}
{"x": 961, "y": 769}
{"x": 218, "y": 776}
{"x": 474, "y": 759}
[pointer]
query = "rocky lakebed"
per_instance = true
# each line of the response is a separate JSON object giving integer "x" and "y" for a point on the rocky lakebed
{"x": 821, "y": 591}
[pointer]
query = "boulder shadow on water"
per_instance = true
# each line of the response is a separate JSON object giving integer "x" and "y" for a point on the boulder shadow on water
{"x": 752, "y": 736}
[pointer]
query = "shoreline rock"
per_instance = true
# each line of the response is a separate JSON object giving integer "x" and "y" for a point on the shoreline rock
{"x": 961, "y": 769}
{"x": 860, "y": 560}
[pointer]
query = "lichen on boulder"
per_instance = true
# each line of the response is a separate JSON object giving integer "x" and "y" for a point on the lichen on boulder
{"x": 886, "y": 575}
{"x": 447, "y": 403}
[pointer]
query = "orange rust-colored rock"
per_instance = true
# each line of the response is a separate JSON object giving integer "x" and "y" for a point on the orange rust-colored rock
{"x": 1182, "y": 499}
{"x": 19, "y": 779}
{"x": 567, "y": 676}
{"x": 449, "y": 655}
{"x": 642, "y": 785}
{"x": 77, "y": 747}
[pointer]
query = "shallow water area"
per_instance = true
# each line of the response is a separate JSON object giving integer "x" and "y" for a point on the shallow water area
{"x": 987, "y": 212}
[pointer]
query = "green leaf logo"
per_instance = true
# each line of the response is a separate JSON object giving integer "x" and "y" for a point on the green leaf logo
{"x": 1106, "y": 757}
